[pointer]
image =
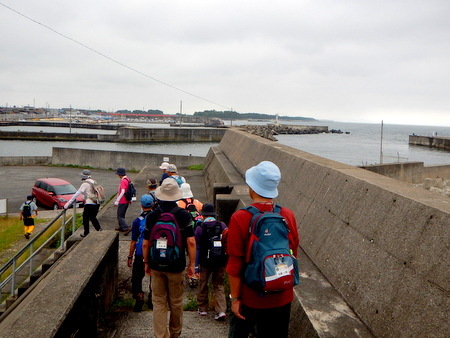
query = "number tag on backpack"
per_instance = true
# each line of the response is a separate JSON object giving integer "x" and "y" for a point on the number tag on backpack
{"x": 217, "y": 244}
{"x": 161, "y": 243}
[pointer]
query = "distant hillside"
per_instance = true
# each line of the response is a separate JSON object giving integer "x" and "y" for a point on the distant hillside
{"x": 245, "y": 116}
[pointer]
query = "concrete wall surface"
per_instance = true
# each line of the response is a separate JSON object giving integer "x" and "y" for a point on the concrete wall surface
{"x": 103, "y": 159}
{"x": 72, "y": 296}
{"x": 25, "y": 160}
{"x": 410, "y": 172}
{"x": 382, "y": 244}
{"x": 436, "y": 142}
{"x": 174, "y": 134}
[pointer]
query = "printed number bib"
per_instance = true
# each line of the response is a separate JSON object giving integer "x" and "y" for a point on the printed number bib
{"x": 161, "y": 243}
{"x": 282, "y": 270}
{"x": 217, "y": 244}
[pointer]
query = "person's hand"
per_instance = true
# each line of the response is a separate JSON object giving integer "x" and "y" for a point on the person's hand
{"x": 148, "y": 271}
{"x": 66, "y": 206}
{"x": 116, "y": 203}
{"x": 191, "y": 270}
{"x": 130, "y": 262}
{"x": 236, "y": 309}
{"x": 20, "y": 218}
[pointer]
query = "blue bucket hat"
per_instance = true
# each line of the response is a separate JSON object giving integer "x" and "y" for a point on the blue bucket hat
{"x": 146, "y": 201}
{"x": 264, "y": 179}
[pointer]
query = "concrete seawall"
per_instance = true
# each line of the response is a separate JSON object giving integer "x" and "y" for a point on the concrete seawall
{"x": 133, "y": 134}
{"x": 125, "y": 134}
{"x": 381, "y": 244}
{"x": 104, "y": 159}
{"x": 434, "y": 142}
{"x": 410, "y": 172}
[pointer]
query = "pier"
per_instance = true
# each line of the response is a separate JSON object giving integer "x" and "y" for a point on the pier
{"x": 430, "y": 141}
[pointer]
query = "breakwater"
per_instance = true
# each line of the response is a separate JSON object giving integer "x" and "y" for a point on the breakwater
{"x": 103, "y": 126}
{"x": 432, "y": 142}
{"x": 125, "y": 134}
{"x": 269, "y": 131}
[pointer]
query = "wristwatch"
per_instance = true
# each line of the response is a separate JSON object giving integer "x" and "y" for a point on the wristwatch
{"x": 232, "y": 299}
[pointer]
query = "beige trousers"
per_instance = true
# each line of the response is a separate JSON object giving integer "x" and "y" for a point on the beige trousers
{"x": 167, "y": 290}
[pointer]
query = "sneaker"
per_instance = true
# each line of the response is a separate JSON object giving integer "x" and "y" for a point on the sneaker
{"x": 220, "y": 316}
{"x": 202, "y": 313}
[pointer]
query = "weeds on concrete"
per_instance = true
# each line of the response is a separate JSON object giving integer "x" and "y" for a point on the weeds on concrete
{"x": 196, "y": 167}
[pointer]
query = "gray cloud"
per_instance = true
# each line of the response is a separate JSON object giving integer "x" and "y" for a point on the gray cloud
{"x": 343, "y": 60}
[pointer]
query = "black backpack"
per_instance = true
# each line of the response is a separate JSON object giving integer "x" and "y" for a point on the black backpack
{"x": 212, "y": 248}
{"x": 26, "y": 210}
{"x": 130, "y": 192}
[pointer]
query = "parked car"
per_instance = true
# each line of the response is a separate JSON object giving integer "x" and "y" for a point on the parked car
{"x": 53, "y": 193}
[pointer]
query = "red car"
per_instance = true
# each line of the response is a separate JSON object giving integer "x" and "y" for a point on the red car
{"x": 53, "y": 193}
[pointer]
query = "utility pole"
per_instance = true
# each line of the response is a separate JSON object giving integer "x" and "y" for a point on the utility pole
{"x": 181, "y": 111}
{"x": 381, "y": 144}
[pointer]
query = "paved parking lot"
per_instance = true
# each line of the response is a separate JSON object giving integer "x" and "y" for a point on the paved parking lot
{"x": 16, "y": 181}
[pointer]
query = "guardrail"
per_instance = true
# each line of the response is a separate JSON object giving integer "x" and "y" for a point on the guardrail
{"x": 15, "y": 264}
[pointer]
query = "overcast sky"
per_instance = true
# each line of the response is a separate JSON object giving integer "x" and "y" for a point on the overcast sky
{"x": 353, "y": 61}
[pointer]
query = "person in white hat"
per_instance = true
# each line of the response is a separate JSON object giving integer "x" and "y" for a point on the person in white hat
{"x": 188, "y": 201}
{"x": 269, "y": 312}
{"x": 164, "y": 167}
{"x": 168, "y": 279}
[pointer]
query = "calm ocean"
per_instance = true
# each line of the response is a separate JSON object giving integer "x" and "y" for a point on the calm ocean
{"x": 360, "y": 147}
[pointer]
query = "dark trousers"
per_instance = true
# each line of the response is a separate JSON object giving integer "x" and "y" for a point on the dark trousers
{"x": 90, "y": 214}
{"x": 121, "y": 211}
{"x": 262, "y": 323}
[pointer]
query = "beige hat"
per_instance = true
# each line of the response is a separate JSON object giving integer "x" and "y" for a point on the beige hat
{"x": 168, "y": 191}
{"x": 186, "y": 191}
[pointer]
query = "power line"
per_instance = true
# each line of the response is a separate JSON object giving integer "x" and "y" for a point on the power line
{"x": 110, "y": 58}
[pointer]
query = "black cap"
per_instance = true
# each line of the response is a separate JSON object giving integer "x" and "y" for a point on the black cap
{"x": 208, "y": 210}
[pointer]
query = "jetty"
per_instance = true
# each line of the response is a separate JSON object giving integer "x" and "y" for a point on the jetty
{"x": 430, "y": 141}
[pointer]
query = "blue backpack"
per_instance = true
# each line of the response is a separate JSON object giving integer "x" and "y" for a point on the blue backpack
{"x": 165, "y": 241}
{"x": 178, "y": 180}
{"x": 271, "y": 267}
{"x": 140, "y": 240}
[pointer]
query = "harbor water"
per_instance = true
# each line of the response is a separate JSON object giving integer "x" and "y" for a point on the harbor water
{"x": 359, "y": 144}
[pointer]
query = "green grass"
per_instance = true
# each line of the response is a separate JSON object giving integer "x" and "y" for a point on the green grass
{"x": 71, "y": 166}
{"x": 191, "y": 304}
{"x": 196, "y": 167}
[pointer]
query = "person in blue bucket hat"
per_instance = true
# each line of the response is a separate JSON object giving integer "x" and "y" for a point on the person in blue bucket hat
{"x": 254, "y": 311}
{"x": 137, "y": 238}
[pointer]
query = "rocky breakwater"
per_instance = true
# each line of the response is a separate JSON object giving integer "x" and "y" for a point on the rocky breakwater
{"x": 270, "y": 130}
{"x": 437, "y": 185}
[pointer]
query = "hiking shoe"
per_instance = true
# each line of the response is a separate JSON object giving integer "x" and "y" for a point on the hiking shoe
{"x": 27, "y": 235}
{"x": 120, "y": 229}
{"x": 220, "y": 316}
{"x": 126, "y": 232}
{"x": 138, "y": 306}
{"x": 202, "y": 313}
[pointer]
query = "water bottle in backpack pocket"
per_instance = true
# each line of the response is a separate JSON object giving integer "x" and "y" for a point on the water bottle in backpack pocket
{"x": 270, "y": 265}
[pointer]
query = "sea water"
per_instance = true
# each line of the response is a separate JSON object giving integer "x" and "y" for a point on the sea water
{"x": 359, "y": 144}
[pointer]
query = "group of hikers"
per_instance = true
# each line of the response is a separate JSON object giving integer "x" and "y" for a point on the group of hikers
{"x": 176, "y": 234}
